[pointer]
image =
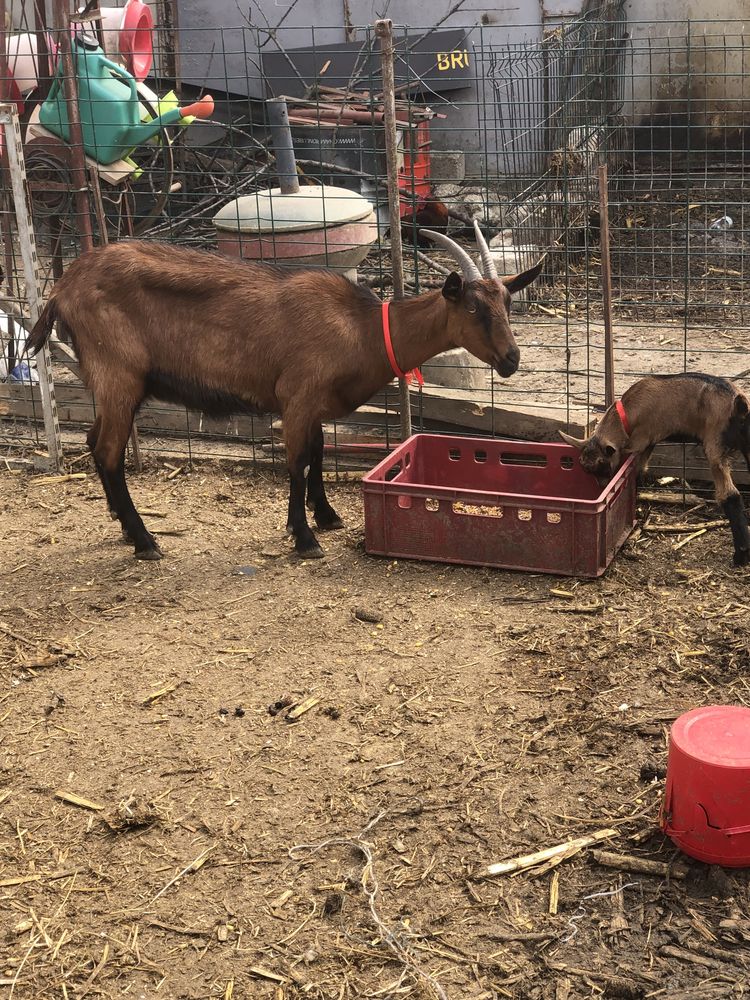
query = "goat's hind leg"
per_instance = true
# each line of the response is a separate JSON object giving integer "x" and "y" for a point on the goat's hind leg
{"x": 91, "y": 438}
{"x": 109, "y": 454}
{"x": 731, "y": 503}
{"x": 325, "y": 516}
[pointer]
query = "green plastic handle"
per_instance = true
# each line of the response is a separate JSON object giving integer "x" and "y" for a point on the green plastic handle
{"x": 123, "y": 75}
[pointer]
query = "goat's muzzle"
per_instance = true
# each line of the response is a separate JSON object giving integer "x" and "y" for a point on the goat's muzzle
{"x": 508, "y": 365}
{"x": 602, "y": 471}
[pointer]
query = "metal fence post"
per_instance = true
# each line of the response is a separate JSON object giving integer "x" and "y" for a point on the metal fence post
{"x": 14, "y": 145}
{"x": 384, "y": 31}
{"x": 609, "y": 352}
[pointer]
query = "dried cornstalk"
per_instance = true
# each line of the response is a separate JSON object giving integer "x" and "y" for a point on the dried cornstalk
{"x": 569, "y": 848}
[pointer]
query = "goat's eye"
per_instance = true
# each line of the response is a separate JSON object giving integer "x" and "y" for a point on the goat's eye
{"x": 472, "y": 310}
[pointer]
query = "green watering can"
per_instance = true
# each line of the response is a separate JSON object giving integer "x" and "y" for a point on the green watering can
{"x": 109, "y": 105}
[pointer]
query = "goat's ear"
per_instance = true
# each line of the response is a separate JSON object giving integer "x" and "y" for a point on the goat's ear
{"x": 519, "y": 281}
{"x": 575, "y": 442}
{"x": 740, "y": 406}
{"x": 453, "y": 287}
{"x": 609, "y": 450}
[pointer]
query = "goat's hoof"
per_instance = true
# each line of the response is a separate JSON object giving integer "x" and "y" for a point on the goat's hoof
{"x": 311, "y": 552}
{"x": 150, "y": 550}
{"x": 741, "y": 557}
{"x": 329, "y": 523}
{"x": 149, "y": 554}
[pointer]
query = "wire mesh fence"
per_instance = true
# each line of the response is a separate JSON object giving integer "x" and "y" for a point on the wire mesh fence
{"x": 503, "y": 123}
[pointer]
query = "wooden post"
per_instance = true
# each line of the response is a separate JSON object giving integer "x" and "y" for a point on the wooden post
{"x": 384, "y": 31}
{"x": 609, "y": 351}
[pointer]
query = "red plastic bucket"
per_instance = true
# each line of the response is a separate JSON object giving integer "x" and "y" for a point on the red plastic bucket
{"x": 706, "y": 809}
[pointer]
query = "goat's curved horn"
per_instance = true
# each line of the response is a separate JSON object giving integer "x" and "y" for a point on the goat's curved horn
{"x": 575, "y": 442}
{"x": 470, "y": 270}
{"x": 488, "y": 264}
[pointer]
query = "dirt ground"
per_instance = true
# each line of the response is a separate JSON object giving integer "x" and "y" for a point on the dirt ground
{"x": 219, "y": 849}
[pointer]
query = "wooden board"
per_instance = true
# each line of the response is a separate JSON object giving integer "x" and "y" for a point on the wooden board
{"x": 448, "y": 408}
{"x": 75, "y": 405}
{"x": 688, "y": 462}
{"x": 475, "y": 410}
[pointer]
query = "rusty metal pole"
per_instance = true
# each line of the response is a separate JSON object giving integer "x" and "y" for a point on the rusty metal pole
{"x": 169, "y": 28}
{"x": 6, "y": 207}
{"x": 384, "y": 31}
{"x": 609, "y": 349}
{"x": 43, "y": 62}
{"x": 283, "y": 147}
{"x": 70, "y": 88}
{"x": 4, "y": 74}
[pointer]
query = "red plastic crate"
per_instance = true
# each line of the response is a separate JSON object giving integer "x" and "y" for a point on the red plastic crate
{"x": 414, "y": 176}
{"x": 489, "y": 502}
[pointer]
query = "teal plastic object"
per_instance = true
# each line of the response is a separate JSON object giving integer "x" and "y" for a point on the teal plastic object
{"x": 108, "y": 102}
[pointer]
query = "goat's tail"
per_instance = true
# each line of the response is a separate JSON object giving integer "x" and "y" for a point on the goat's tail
{"x": 42, "y": 328}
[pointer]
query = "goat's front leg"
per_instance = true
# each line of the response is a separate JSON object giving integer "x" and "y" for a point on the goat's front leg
{"x": 731, "y": 503}
{"x": 325, "y": 516}
{"x": 297, "y": 434}
{"x": 643, "y": 459}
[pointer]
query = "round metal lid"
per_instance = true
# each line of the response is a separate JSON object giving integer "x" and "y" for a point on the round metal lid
{"x": 309, "y": 208}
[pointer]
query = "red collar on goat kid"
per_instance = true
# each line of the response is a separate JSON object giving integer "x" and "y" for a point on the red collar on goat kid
{"x": 689, "y": 406}
{"x": 223, "y": 336}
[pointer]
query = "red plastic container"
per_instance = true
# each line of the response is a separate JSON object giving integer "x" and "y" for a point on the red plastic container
{"x": 490, "y": 502}
{"x": 706, "y": 809}
{"x": 414, "y": 181}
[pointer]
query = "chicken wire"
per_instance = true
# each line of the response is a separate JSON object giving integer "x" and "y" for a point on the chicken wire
{"x": 663, "y": 104}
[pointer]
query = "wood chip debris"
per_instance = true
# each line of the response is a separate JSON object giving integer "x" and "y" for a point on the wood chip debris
{"x": 195, "y": 865}
{"x": 297, "y": 711}
{"x": 18, "y": 880}
{"x": 688, "y": 539}
{"x": 53, "y": 480}
{"x": 630, "y": 863}
{"x": 167, "y": 689}
{"x": 669, "y": 498}
{"x": 78, "y": 800}
{"x": 554, "y": 893}
{"x": 682, "y": 528}
{"x": 261, "y": 973}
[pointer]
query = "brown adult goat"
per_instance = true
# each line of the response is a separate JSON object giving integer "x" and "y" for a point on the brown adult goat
{"x": 687, "y": 407}
{"x": 226, "y": 336}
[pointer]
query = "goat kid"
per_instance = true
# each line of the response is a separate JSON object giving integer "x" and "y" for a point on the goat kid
{"x": 701, "y": 408}
{"x": 225, "y": 336}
